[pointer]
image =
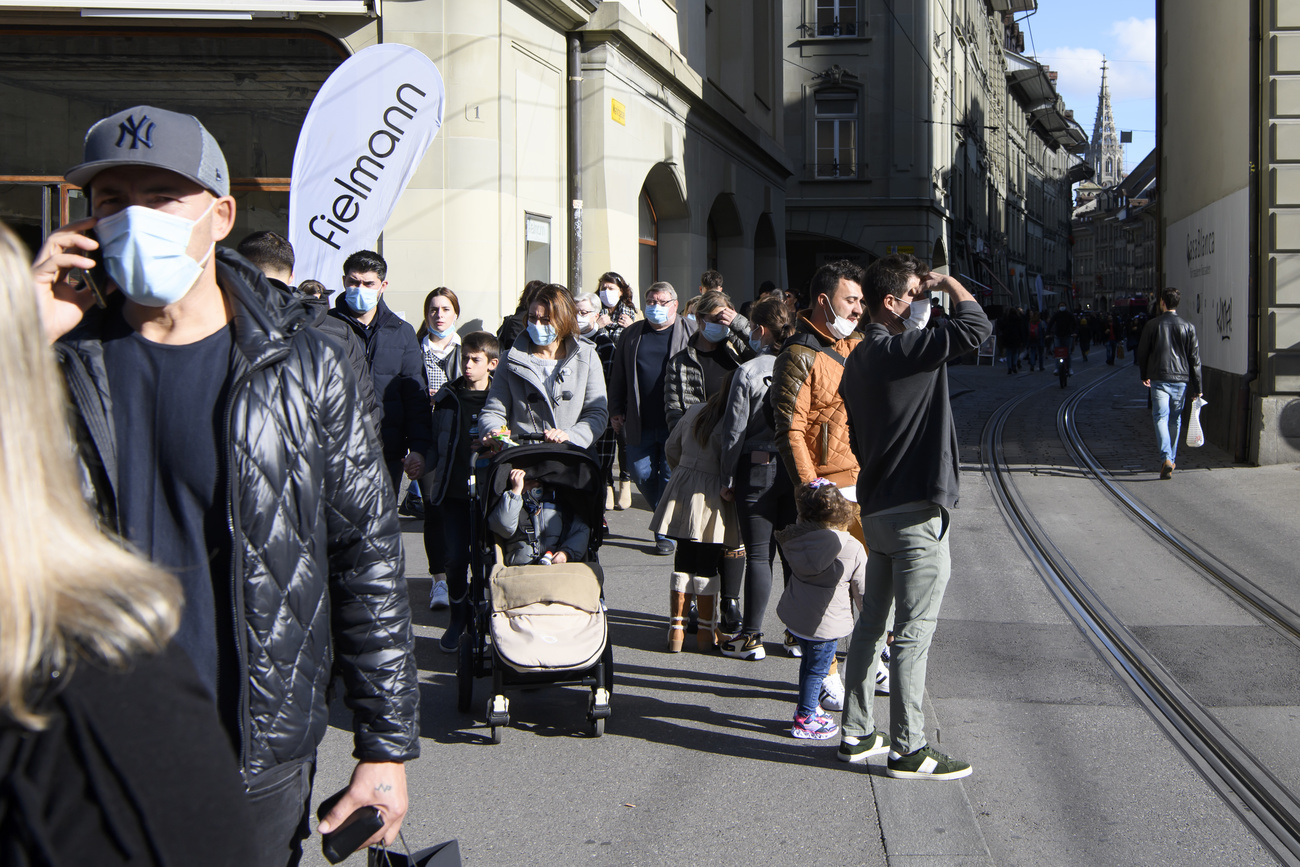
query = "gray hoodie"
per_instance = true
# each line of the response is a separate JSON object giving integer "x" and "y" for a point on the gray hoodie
{"x": 828, "y": 566}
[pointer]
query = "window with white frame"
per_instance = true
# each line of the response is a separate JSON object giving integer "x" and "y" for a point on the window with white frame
{"x": 836, "y": 17}
{"x": 835, "y": 134}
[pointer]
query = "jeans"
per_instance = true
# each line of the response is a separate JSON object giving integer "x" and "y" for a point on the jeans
{"x": 648, "y": 464}
{"x": 1035, "y": 354}
{"x": 909, "y": 567}
{"x": 813, "y": 668}
{"x": 1110, "y": 351}
{"x": 765, "y": 504}
{"x": 1167, "y": 412}
{"x": 1013, "y": 358}
{"x": 281, "y": 802}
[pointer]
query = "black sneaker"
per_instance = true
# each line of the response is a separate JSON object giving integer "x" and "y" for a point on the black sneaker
{"x": 864, "y": 748}
{"x": 926, "y": 764}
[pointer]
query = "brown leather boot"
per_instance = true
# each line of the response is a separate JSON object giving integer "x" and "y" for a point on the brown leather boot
{"x": 677, "y": 611}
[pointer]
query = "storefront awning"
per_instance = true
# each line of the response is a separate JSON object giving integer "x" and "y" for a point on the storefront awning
{"x": 221, "y": 9}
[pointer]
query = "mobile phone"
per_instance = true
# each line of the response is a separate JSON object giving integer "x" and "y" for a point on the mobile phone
{"x": 96, "y": 279}
{"x": 351, "y": 832}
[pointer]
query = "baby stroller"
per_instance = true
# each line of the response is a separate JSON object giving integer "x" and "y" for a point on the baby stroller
{"x": 539, "y": 624}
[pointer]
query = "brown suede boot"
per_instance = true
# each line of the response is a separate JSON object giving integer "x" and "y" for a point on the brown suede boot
{"x": 678, "y": 583}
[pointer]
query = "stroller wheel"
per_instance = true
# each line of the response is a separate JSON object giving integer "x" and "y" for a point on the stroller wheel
{"x": 496, "y": 734}
{"x": 597, "y": 727}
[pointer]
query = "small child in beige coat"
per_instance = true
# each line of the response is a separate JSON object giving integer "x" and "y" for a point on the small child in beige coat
{"x": 829, "y": 569}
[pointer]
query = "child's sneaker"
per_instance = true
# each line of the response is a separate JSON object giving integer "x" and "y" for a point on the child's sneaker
{"x": 926, "y": 764}
{"x": 860, "y": 749}
{"x": 816, "y": 726}
{"x": 832, "y": 697}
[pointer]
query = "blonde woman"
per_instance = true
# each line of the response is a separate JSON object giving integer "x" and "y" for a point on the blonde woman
{"x": 110, "y": 749}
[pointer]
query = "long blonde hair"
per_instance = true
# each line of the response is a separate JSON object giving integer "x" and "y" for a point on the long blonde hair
{"x": 66, "y": 589}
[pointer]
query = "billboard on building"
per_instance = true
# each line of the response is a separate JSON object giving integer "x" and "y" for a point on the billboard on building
{"x": 1207, "y": 260}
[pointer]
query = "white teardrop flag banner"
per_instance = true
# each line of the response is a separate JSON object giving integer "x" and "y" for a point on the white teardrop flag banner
{"x": 364, "y": 136}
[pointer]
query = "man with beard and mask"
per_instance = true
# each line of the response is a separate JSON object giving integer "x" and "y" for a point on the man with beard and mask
{"x": 221, "y": 437}
{"x": 396, "y": 364}
{"x": 812, "y": 433}
{"x": 272, "y": 254}
{"x": 895, "y": 391}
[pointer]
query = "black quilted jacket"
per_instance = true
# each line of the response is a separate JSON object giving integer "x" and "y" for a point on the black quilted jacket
{"x": 318, "y": 567}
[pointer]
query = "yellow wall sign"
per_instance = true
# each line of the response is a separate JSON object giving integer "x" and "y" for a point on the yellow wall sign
{"x": 618, "y": 112}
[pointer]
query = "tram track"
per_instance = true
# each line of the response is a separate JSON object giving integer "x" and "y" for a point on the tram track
{"x": 1264, "y": 804}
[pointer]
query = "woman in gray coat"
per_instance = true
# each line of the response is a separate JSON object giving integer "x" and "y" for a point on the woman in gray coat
{"x": 550, "y": 382}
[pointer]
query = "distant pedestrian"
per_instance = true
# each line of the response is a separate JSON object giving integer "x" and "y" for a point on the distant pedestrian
{"x": 895, "y": 389}
{"x": 753, "y": 475}
{"x": 710, "y": 280}
{"x": 1169, "y": 359}
{"x": 693, "y": 513}
{"x": 516, "y": 323}
{"x": 1111, "y": 334}
{"x": 617, "y": 312}
{"x": 828, "y": 569}
{"x": 440, "y": 346}
{"x": 1085, "y": 332}
{"x": 273, "y": 256}
{"x": 1037, "y": 340}
{"x": 636, "y": 391}
{"x": 1062, "y": 329}
{"x": 396, "y": 364}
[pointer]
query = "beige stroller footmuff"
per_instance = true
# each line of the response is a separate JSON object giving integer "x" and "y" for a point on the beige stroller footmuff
{"x": 548, "y": 618}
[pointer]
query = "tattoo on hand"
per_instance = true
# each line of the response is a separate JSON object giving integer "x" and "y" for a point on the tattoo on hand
{"x": 384, "y": 787}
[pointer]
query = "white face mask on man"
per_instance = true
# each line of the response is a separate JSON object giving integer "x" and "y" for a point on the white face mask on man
{"x": 146, "y": 253}
{"x": 919, "y": 316}
{"x": 839, "y": 326}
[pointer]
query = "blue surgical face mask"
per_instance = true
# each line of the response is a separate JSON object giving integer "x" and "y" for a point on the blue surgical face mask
{"x": 361, "y": 299}
{"x": 542, "y": 335}
{"x": 756, "y": 345}
{"x": 656, "y": 313}
{"x": 145, "y": 253}
{"x": 442, "y": 335}
{"x": 715, "y": 332}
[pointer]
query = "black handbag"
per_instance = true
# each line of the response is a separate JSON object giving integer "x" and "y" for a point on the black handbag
{"x": 443, "y": 855}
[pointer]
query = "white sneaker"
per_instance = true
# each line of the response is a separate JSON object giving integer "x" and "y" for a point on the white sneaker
{"x": 832, "y": 697}
{"x": 438, "y": 598}
{"x": 882, "y": 679}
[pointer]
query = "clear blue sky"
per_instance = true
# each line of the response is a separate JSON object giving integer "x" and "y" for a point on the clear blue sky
{"x": 1071, "y": 36}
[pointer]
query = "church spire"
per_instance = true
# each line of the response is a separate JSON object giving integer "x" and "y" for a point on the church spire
{"x": 1105, "y": 154}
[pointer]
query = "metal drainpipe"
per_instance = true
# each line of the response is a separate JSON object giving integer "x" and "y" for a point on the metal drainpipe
{"x": 1253, "y": 294}
{"x": 575, "y": 163}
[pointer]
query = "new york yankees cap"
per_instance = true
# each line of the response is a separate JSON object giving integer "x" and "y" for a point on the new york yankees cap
{"x": 148, "y": 136}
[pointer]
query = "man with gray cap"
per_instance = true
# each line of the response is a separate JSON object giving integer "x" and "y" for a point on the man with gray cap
{"x": 222, "y": 437}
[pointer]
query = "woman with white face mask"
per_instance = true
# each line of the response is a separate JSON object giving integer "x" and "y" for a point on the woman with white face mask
{"x": 719, "y": 346}
{"x": 616, "y": 312}
{"x": 441, "y": 347}
{"x": 617, "y": 308}
{"x": 550, "y": 382}
{"x": 589, "y": 314}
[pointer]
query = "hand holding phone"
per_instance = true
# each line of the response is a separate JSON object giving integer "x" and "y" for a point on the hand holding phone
{"x": 63, "y": 302}
{"x": 352, "y": 832}
{"x": 96, "y": 279}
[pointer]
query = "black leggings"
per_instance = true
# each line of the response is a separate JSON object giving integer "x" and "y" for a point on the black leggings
{"x": 765, "y": 502}
{"x": 435, "y": 538}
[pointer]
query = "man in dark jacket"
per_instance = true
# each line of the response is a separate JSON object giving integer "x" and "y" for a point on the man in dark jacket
{"x": 272, "y": 254}
{"x": 396, "y": 363}
{"x": 1169, "y": 357}
{"x": 220, "y": 435}
{"x": 895, "y": 388}
{"x": 636, "y": 392}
